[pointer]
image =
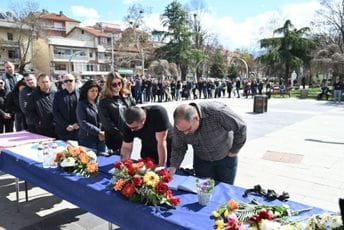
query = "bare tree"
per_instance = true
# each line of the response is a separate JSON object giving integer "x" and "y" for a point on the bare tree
{"x": 28, "y": 28}
{"x": 330, "y": 23}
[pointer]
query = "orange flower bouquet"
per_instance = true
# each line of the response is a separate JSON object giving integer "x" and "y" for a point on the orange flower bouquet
{"x": 77, "y": 160}
{"x": 142, "y": 182}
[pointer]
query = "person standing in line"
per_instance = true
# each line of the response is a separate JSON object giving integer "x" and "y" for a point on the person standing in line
{"x": 10, "y": 77}
{"x": 90, "y": 132}
{"x": 114, "y": 101}
{"x": 216, "y": 134}
{"x": 237, "y": 87}
{"x": 64, "y": 110}
{"x": 31, "y": 84}
{"x": 40, "y": 106}
{"x": 13, "y": 106}
{"x": 6, "y": 118}
{"x": 337, "y": 90}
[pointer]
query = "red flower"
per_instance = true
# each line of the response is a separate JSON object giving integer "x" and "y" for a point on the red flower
{"x": 174, "y": 200}
{"x": 165, "y": 176}
{"x": 128, "y": 163}
{"x": 149, "y": 162}
{"x": 118, "y": 165}
{"x": 161, "y": 188}
{"x": 169, "y": 194}
{"x": 128, "y": 190}
{"x": 131, "y": 170}
{"x": 262, "y": 215}
{"x": 265, "y": 214}
{"x": 137, "y": 181}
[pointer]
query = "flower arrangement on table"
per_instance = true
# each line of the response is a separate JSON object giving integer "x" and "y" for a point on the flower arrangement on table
{"x": 142, "y": 182}
{"x": 205, "y": 189}
{"x": 255, "y": 216}
{"x": 77, "y": 160}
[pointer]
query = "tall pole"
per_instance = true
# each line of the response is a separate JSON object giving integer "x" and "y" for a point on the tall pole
{"x": 112, "y": 55}
{"x": 143, "y": 62}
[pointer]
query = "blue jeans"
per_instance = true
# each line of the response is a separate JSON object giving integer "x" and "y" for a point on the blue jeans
{"x": 337, "y": 95}
{"x": 98, "y": 146}
{"x": 222, "y": 170}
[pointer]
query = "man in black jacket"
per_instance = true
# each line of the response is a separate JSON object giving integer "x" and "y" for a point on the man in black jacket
{"x": 31, "y": 84}
{"x": 64, "y": 110}
{"x": 40, "y": 106}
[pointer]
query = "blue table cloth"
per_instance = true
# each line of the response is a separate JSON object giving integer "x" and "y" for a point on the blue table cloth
{"x": 95, "y": 195}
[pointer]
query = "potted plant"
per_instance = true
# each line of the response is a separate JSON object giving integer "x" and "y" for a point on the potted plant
{"x": 205, "y": 189}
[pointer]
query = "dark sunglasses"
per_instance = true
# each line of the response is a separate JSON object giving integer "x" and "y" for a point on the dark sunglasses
{"x": 69, "y": 80}
{"x": 115, "y": 84}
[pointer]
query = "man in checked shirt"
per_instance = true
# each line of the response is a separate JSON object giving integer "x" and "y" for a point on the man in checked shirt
{"x": 216, "y": 134}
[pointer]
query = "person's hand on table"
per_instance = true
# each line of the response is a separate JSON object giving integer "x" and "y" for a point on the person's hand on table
{"x": 171, "y": 171}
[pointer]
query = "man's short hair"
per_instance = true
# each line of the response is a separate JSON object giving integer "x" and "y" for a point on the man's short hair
{"x": 184, "y": 112}
{"x": 42, "y": 75}
{"x": 134, "y": 113}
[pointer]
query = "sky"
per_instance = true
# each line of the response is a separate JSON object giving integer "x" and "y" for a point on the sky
{"x": 237, "y": 24}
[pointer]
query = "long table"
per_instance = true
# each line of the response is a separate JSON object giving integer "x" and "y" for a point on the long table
{"x": 95, "y": 195}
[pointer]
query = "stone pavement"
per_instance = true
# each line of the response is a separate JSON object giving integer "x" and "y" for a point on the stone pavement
{"x": 297, "y": 146}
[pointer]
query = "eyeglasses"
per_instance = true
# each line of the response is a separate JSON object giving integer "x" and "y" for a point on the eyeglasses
{"x": 68, "y": 80}
{"x": 1, "y": 83}
{"x": 115, "y": 84}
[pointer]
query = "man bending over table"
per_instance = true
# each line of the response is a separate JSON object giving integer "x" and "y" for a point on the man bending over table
{"x": 151, "y": 125}
{"x": 216, "y": 134}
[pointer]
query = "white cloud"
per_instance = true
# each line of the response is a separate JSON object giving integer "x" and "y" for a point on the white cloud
{"x": 152, "y": 21}
{"x": 246, "y": 34}
{"x": 84, "y": 12}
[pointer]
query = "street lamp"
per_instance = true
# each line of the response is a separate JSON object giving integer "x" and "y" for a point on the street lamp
{"x": 112, "y": 54}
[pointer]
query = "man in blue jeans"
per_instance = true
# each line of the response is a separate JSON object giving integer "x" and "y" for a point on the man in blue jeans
{"x": 216, "y": 134}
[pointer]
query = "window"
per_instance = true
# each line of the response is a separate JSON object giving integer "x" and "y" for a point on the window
{"x": 13, "y": 53}
{"x": 91, "y": 54}
{"x": 89, "y": 67}
{"x": 10, "y": 36}
{"x": 82, "y": 32}
{"x": 58, "y": 25}
{"x": 60, "y": 66}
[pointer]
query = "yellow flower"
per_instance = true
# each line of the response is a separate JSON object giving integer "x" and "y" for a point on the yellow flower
{"x": 151, "y": 179}
{"x": 225, "y": 214}
{"x": 215, "y": 214}
{"x": 219, "y": 224}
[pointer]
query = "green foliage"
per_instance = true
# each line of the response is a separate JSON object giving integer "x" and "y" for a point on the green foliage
{"x": 217, "y": 69}
{"x": 291, "y": 50}
{"x": 233, "y": 72}
{"x": 178, "y": 49}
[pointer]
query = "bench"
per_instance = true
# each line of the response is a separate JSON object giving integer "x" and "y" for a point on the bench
{"x": 276, "y": 91}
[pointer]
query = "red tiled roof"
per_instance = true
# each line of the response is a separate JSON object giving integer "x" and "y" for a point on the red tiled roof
{"x": 58, "y": 17}
{"x": 91, "y": 30}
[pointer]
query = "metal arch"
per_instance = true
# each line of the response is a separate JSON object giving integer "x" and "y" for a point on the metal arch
{"x": 243, "y": 61}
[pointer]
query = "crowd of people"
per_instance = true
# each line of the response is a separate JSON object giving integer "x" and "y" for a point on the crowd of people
{"x": 103, "y": 115}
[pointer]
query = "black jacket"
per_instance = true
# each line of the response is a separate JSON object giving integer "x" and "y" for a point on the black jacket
{"x": 111, "y": 112}
{"x": 40, "y": 111}
{"x": 62, "y": 116}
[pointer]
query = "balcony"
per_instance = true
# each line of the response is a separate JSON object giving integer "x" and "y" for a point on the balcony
{"x": 59, "y": 28}
{"x": 66, "y": 57}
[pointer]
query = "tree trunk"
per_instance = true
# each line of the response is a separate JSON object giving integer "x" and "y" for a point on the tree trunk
{"x": 184, "y": 71}
{"x": 286, "y": 74}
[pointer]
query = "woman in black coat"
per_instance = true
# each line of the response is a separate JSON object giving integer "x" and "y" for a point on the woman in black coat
{"x": 115, "y": 100}
{"x": 90, "y": 132}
